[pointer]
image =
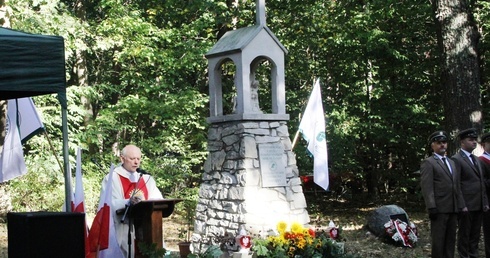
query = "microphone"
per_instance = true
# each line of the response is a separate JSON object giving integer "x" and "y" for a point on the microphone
{"x": 142, "y": 171}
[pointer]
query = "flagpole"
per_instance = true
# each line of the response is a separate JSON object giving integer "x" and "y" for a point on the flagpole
{"x": 296, "y": 136}
{"x": 52, "y": 149}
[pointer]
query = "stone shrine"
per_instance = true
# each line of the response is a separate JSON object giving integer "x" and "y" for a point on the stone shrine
{"x": 250, "y": 177}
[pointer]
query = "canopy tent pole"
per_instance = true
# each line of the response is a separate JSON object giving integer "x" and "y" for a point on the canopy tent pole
{"x": 53, "y": 150}
{"x": 66, "y": 159}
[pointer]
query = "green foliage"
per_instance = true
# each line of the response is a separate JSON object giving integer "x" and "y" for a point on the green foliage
{"x": 147, "y": 85}
{"x": 187, "y": 210}
{"x": 39, "y": 190}
{"x": 212, "y": 251}
{"x": 374, "y": 90}
{"x": 151, "y": 250}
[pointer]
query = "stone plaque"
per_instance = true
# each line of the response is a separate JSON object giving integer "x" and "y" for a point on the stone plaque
{"x": 272, "y": 167}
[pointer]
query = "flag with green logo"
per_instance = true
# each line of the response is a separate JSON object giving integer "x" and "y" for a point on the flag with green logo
{"x": 312, "y": 128}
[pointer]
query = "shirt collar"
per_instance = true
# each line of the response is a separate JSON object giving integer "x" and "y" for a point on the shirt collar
{"x": 132, "y": 176}
{"x": 439, "y": 156}
{"x": 466, "y": 152}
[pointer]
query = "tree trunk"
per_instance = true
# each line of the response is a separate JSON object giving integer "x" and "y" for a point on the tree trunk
{"x": 80, "y": 72}
{"x": 80, "y": 67}
{"x": 460, "y": 71}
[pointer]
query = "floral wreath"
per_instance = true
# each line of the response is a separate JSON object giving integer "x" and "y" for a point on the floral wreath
{"x": 400, "y": 231}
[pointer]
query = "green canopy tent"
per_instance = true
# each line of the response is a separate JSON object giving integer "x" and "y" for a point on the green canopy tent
{"x": 33, "y": 65}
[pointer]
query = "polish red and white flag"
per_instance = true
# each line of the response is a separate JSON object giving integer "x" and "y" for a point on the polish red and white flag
{"x": 77, "y": 204}
{"x": 102, "y": 235}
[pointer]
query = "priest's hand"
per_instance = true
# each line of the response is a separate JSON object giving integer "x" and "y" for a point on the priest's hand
{"x": 135, "y": 199}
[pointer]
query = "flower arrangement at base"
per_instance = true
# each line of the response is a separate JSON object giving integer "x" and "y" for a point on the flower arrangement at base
{"x": 401, "y": 232}
{"x": 296, "y": 241}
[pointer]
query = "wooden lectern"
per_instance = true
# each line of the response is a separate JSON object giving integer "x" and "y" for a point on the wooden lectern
{"x": 147, "y": 217}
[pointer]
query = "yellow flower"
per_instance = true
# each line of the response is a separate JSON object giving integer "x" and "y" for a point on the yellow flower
{"x": 283, "y": 241}
{"x": 309, "y": 240}
{"x": 319, "y": 244}
{"x": 301, "y": 244}
{"x": 281, "y": 227}
{"x": 296, "y": 241}
{"x": 296, "y": 227}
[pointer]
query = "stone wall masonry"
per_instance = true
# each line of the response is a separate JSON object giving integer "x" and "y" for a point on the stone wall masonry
{"x": 231, "y": 195}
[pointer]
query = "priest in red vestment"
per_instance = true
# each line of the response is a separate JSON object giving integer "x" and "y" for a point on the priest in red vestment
{"x": 129, "y": 186}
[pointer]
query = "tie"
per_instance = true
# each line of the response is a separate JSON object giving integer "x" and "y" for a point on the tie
{"x": 444, "y": 161}
{"x": 473, "y": 160}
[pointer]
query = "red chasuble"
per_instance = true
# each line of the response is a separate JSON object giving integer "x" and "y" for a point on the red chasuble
{"x": 134, "y": 189}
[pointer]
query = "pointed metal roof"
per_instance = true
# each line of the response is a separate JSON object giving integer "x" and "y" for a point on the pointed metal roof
{"x": 236, "y": 40}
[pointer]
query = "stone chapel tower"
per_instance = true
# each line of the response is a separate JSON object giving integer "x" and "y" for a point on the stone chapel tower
{"x": 250, "y": 178}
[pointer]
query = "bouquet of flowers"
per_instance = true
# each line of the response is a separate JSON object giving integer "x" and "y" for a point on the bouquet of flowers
{"x": 296, "y": 241}
{"x": 401, "y": 232}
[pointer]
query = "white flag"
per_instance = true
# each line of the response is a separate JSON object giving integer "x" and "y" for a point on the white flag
{"x": 29, "y": 122}
{"x": 78, "y": 202}
{"x": 12, "y": 162}
{"x": 312, "y": 127}
{"x": 23, "y": 122}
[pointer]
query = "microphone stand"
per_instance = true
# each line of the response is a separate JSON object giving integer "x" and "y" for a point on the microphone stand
{"x": 130, "y": 220}
{"x": 130, "y": 242}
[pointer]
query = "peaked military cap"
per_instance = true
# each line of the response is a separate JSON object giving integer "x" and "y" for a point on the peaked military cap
{"x": 485, "y": 137}
{"x": 468, "y": 133}
{"x": 438, "y": 136}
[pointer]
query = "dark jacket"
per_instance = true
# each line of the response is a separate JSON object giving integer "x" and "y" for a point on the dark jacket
{"x": 440, "y": 188}
{"x": 472, "y": 182}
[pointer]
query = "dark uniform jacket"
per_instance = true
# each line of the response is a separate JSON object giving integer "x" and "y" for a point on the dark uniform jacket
{"x": 472, "y": 182}
{"x": 485, "y": 165}
{"x": 441, "y": 188}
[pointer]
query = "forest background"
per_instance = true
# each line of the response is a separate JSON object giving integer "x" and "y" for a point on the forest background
{"x": 136, "y": 73}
